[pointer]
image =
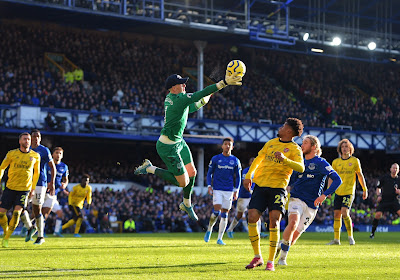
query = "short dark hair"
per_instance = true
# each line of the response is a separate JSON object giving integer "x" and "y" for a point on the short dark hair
{"x": 85, "y": 176}
{"x": 22, "y": 134}
{"x": 296, "y": 125}
{"x": 227, "y": 139}
{"x": 35, "y": 131}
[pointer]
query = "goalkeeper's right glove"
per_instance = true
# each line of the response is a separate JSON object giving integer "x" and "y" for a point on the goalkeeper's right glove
{"x": 230, "y": 80}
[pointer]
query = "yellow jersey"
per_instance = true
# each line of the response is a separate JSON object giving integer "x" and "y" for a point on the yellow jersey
{"x": 347, "y": 168}
{"x": 23, "y": 173}
{"x": 78, "y": 195}
{"x": 271, "y": 172}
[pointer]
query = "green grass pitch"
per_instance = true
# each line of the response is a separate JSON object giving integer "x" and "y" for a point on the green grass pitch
{"x": 187, "y": 256}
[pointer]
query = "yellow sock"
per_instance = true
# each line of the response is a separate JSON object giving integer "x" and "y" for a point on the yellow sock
{"x": 13, "y": 224}
{"x": 4, "y": 222}
{"x": 78, "y": 225}
{"x": 273, "y": 242}
{"x": 254, "y": 236}
{"x": 349, "y": 226}
{"x": 337, "y": 224}
{"x": 68, "y": 224}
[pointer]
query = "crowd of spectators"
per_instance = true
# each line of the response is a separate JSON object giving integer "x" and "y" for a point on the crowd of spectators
{"x": 126, "y": 71}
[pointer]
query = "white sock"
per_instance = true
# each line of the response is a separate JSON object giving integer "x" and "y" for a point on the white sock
{"x": 283, "y": 252}
{"x": 40, "y": 225}
{"x": 26, "y": 220}
{"x": 151, "y": 169}
{"x": 58, "y": 225}
{"x": 246, "y": 227}
{"x": 258, "y": 225}
{"x": 233, "y": 224}
{"x": 213, "y": 220}
{"x": 187, "y": 202}
{"x": 222, "y": 226}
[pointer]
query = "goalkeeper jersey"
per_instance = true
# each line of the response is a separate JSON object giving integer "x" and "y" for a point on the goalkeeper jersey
{"x": 23, "y": 173}
{"x": 177, "y": 107}
{"x": 269, "y": 171}
{"x": 78, "y": 195}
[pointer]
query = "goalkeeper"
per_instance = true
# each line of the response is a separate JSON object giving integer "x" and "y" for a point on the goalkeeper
{"x": 171, "y": 146}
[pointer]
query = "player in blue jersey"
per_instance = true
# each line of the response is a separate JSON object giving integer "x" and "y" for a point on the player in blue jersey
{"x": 305, "y": 194}
{"x": 223, "y": 179}
{"x": 242, "y": 203}
{"x": 61, "y": 182}
{"x": 39, "y": 192}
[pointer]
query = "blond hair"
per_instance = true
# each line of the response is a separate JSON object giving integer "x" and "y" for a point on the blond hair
{"x": 315, "y": 142}
{"x": 341, "y": 142}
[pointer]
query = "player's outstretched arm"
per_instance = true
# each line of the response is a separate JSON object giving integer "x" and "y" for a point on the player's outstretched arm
{"x": 230, "y": 80}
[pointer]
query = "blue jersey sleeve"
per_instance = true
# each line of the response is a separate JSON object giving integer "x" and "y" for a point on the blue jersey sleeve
{"x": 211, "y": 168}
{"x": 66, "y": 172}
{"x": 48, "y": 156}
{"x": 328, "y": 170}
{"x": 238, "y": 172}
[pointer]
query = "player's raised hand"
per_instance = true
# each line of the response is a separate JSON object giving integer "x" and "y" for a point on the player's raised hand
{"x": 230, "y": 80}
{"x": 247, "y": 184}
{"x": 319, "y": 200}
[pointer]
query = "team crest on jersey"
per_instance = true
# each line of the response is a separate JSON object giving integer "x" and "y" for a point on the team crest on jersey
{"x": 286, "y": 150}
{"x": 231, "y": 162}
{"x": 350, "y": 164}
{"x": 31, "y": 158}
{"x": 311, "y": 166}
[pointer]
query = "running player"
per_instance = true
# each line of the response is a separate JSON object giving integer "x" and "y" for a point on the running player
{"x": 223, "y": 179}
{"x": 61, "y": 182}
{"x": 305, "y": 193}
{"x": 23, "y": 175}
{"x": 171, "y": 146}
{"x": 272, "y": 169}
{"x": 388, "y": 188}
{"x": 40, "y": 191}
{"x": 348, "y": 168}
{"x": 76, "y": 199}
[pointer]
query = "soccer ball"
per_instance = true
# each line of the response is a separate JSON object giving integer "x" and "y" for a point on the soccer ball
{"x": 236, "y": 66}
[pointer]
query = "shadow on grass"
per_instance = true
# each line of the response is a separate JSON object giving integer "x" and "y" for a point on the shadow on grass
{"x": 52, "y": 273}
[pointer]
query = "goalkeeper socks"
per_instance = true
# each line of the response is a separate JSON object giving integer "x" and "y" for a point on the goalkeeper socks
{"x": 166, "y": 175}
{"x": 187, "y": 192}
{"x": 4, "y": 222}
{"x": 337, "y": 224}
{"x": 222, "y": 225}
{"x": 26, "y": 220}
{"x": 374, "y": 225}
{"x": 40, "y": 225}
{"x": 213, "y": 220}
{"x": 233, "y": 224}
{"x": 273, "y": 242}
{"x": 254, "y": 237}
{"x": 13, "y": 224}
{"x": 349, "y": 226}
{"x": 58, "y": 225}
{"x": 78, "y": 225}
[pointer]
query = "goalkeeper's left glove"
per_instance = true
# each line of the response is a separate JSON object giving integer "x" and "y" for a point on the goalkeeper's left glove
{"x": 230, "y": 80}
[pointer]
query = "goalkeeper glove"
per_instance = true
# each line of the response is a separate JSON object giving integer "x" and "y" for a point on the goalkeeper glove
{"x": 230, "y": 80}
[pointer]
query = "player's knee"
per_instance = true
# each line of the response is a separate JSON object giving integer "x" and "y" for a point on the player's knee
{"x": 253, "y": 216}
